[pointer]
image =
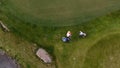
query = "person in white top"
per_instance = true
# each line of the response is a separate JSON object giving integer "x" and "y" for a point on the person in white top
{"x": 68, "y": 34}
{"x": 82, "y": 34}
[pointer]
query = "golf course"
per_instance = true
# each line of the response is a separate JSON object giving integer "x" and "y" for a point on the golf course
{"x": 37, "y": 24}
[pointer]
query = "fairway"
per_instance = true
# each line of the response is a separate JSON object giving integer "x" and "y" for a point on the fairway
{"x": 104, "y": 54}
{"x": 61, "y": 12}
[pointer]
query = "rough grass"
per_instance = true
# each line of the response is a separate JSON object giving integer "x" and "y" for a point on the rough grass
{"x": 21, "y": 50}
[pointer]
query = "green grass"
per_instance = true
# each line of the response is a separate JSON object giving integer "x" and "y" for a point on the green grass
{"x": 60, "y": 12}
{"x": 105, "y": 53}
{"x": 76, "y": 54}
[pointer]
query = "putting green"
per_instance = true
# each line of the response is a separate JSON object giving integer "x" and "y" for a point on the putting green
{"x": 104, "y": 54}
{"x": 61, "y": 12}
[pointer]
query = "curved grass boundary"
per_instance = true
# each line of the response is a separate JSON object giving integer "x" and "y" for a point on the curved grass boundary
{"x": 80, "y": 15}
{"x": 105, "y": 53}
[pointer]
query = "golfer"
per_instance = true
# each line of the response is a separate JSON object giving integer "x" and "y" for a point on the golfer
{"x": 82, "y": 34}
{"x": 68, "y": 34}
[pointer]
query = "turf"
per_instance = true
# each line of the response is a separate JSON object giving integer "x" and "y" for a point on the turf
{"x": 60, "y": 12}
{"x": 78, "y": 53}
{"x": 104, "y": 54}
